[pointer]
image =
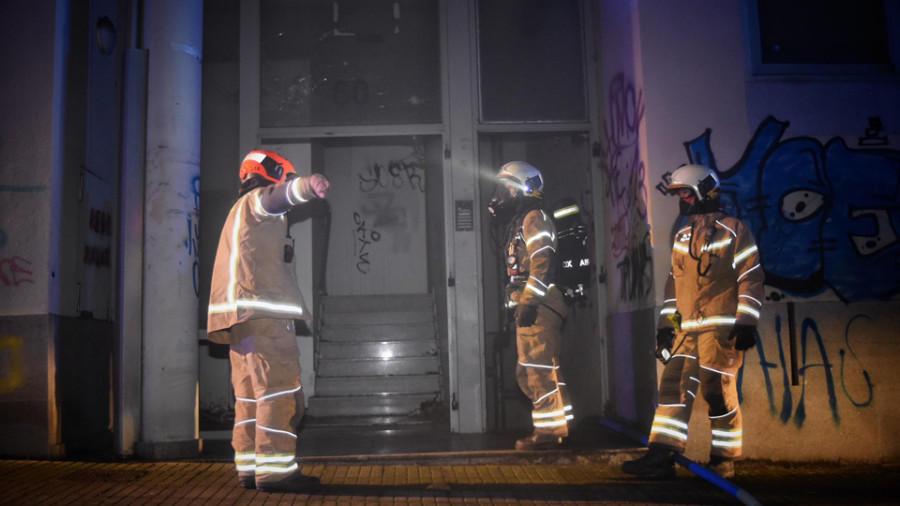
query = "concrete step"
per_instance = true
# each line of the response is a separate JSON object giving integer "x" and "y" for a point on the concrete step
{"x": 369, "y": 303}
{"x": 377, "y": 366}
{"x": 365, "y": 423}
{"x": 321, "y": 406}
{"x": 378, "y": 385}
{"x": 322, "y": 428}
{"x": 377, "y": 332}
{"x": 377, "y": 349}
{"x": 378, "y": 317}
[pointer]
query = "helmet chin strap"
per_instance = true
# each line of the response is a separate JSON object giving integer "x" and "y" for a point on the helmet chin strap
{"x": 252, "y": 182}
{"x": 703, "y": 207}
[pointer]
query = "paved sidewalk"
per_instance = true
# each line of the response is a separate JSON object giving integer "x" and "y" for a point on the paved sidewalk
{"x": 489, "y": 477}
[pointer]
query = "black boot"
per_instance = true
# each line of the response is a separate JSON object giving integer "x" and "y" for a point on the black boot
{"x": 722, "y": 466}
{"x": 247, "y": 481}
{"x": 656, "y": 463}
{"x": 539, "y": 441}
{"x": 297, "y": 483}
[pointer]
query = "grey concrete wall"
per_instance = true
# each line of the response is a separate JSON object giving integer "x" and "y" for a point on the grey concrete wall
{"x": 27, "y": 394}
{"x": 27, "y": 46}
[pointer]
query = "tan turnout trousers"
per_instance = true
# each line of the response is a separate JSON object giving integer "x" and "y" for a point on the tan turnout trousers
{"x": 695, "y": 366}
{"x": 269, "y": 404}
{"x": 537, "y": 370}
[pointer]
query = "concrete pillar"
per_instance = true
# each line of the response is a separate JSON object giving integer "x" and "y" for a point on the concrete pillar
{"x": 465, "y": 325}
{"x": 173, "y": 38}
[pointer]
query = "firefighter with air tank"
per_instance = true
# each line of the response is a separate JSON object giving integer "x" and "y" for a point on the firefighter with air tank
{"x": 538, "y": 305}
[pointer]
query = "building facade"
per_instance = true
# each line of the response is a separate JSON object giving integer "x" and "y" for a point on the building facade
{"x": 127, "y": 122}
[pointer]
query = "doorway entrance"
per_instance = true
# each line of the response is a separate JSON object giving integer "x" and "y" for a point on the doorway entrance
{"x": 373, "y": 355}
{"x": 564, "y": 159}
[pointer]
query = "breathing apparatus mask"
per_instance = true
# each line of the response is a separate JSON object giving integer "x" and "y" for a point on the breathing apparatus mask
{"x": 519, "y": 187}
{"x": 698, "y": 188}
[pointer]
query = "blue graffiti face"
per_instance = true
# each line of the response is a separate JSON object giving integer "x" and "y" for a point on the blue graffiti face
{"x": 795, "y": 197}
{"x": 864, "y": 261}
{"x": 824, "y": 216}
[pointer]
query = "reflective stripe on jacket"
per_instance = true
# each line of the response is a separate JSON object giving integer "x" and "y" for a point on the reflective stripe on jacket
{"x": 534, "y": 249}
{"x": 716, "y": 275}
{"x": 251, "y": 278}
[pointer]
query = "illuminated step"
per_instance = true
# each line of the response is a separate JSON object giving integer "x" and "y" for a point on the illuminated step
{"x": 377, "y": 366}
{"x": 378, "y": 349}
{"x": 377, "y": 385}
{"x": 367, "y": 405}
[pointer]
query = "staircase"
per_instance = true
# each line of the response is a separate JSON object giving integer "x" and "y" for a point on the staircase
{"x": 378, "y": 365}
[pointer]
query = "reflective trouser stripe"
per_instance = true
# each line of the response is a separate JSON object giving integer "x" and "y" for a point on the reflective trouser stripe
{"x": 550, "y": 419}
{"x": 665, "y": 426}
{"x": 727, "y": 434}
{"x": 727, "y": 438}
{"x": 250, "y": 463}
{"x": 690, "y": 371}
{"x": 243, "y": 433}
{"x": 245, "y": 462}
{"x": 537, "y": 370}
{"x": 265, "y": 376}
{"x": 275, "y": 464}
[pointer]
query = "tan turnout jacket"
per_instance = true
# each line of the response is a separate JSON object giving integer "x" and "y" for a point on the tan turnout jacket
{"x": 251, "y": 278}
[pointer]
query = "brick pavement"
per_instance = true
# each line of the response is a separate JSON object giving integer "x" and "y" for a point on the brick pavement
{"x": 561, "y": 478}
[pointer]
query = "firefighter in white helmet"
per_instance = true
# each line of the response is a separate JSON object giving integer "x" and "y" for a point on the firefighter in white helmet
{"x": 537, "y": 303}
{"x": 254, "y": 300}
{"x": 708, "y": 319}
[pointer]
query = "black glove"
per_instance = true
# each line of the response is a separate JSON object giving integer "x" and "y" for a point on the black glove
{"x": 744, "y": 336}
{"x": 665, "y": 339}
{"x": 526, "y": 315}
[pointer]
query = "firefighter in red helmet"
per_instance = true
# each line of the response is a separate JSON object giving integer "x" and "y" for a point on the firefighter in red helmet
{"x": 254, "y": 300}
{"x": 708, "y": 319}
{"x": 536, "y": 301}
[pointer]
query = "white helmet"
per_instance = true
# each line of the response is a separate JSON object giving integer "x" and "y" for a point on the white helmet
{"x": 702, "y": 180}
{"x": 523, "y": 177}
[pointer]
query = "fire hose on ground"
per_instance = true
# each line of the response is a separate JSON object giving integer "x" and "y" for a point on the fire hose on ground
{"x": 738, "y": 493}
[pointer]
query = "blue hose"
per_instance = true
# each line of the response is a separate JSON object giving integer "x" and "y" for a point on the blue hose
{"x": 738, "y": 493}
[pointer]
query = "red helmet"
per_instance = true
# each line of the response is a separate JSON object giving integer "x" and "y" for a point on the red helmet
{"x": 268, "y": 164}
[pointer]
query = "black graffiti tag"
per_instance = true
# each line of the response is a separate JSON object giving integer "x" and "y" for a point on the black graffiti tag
{"x": 363, "y": 238}
{"x": 399, "y": 174}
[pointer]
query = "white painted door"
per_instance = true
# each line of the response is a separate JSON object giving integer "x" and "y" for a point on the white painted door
{"x": 377, "y": 240}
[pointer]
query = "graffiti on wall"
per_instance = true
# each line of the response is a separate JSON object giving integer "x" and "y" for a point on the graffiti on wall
{"x": 100, "y": 223}
{"x": 383, "y": 205}
{"x": 627, "y": 191}
{"x": 363, "y": 238}
{"x": 874, "y": 134}
{"x": 192, "y": 239}
{"x": 825, "y": 216}
{"x": 15, "y": 270}
{"x": 406, "y": 172}
{"x": 841, "y": 377}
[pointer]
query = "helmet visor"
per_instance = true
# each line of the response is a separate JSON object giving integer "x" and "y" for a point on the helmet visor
{"x": 267, "y": 164}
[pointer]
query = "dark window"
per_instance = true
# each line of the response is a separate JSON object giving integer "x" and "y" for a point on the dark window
{"x": 349, "y": 62}
{"x": 823, "y": 32}
{"x": 531, "y": 61}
